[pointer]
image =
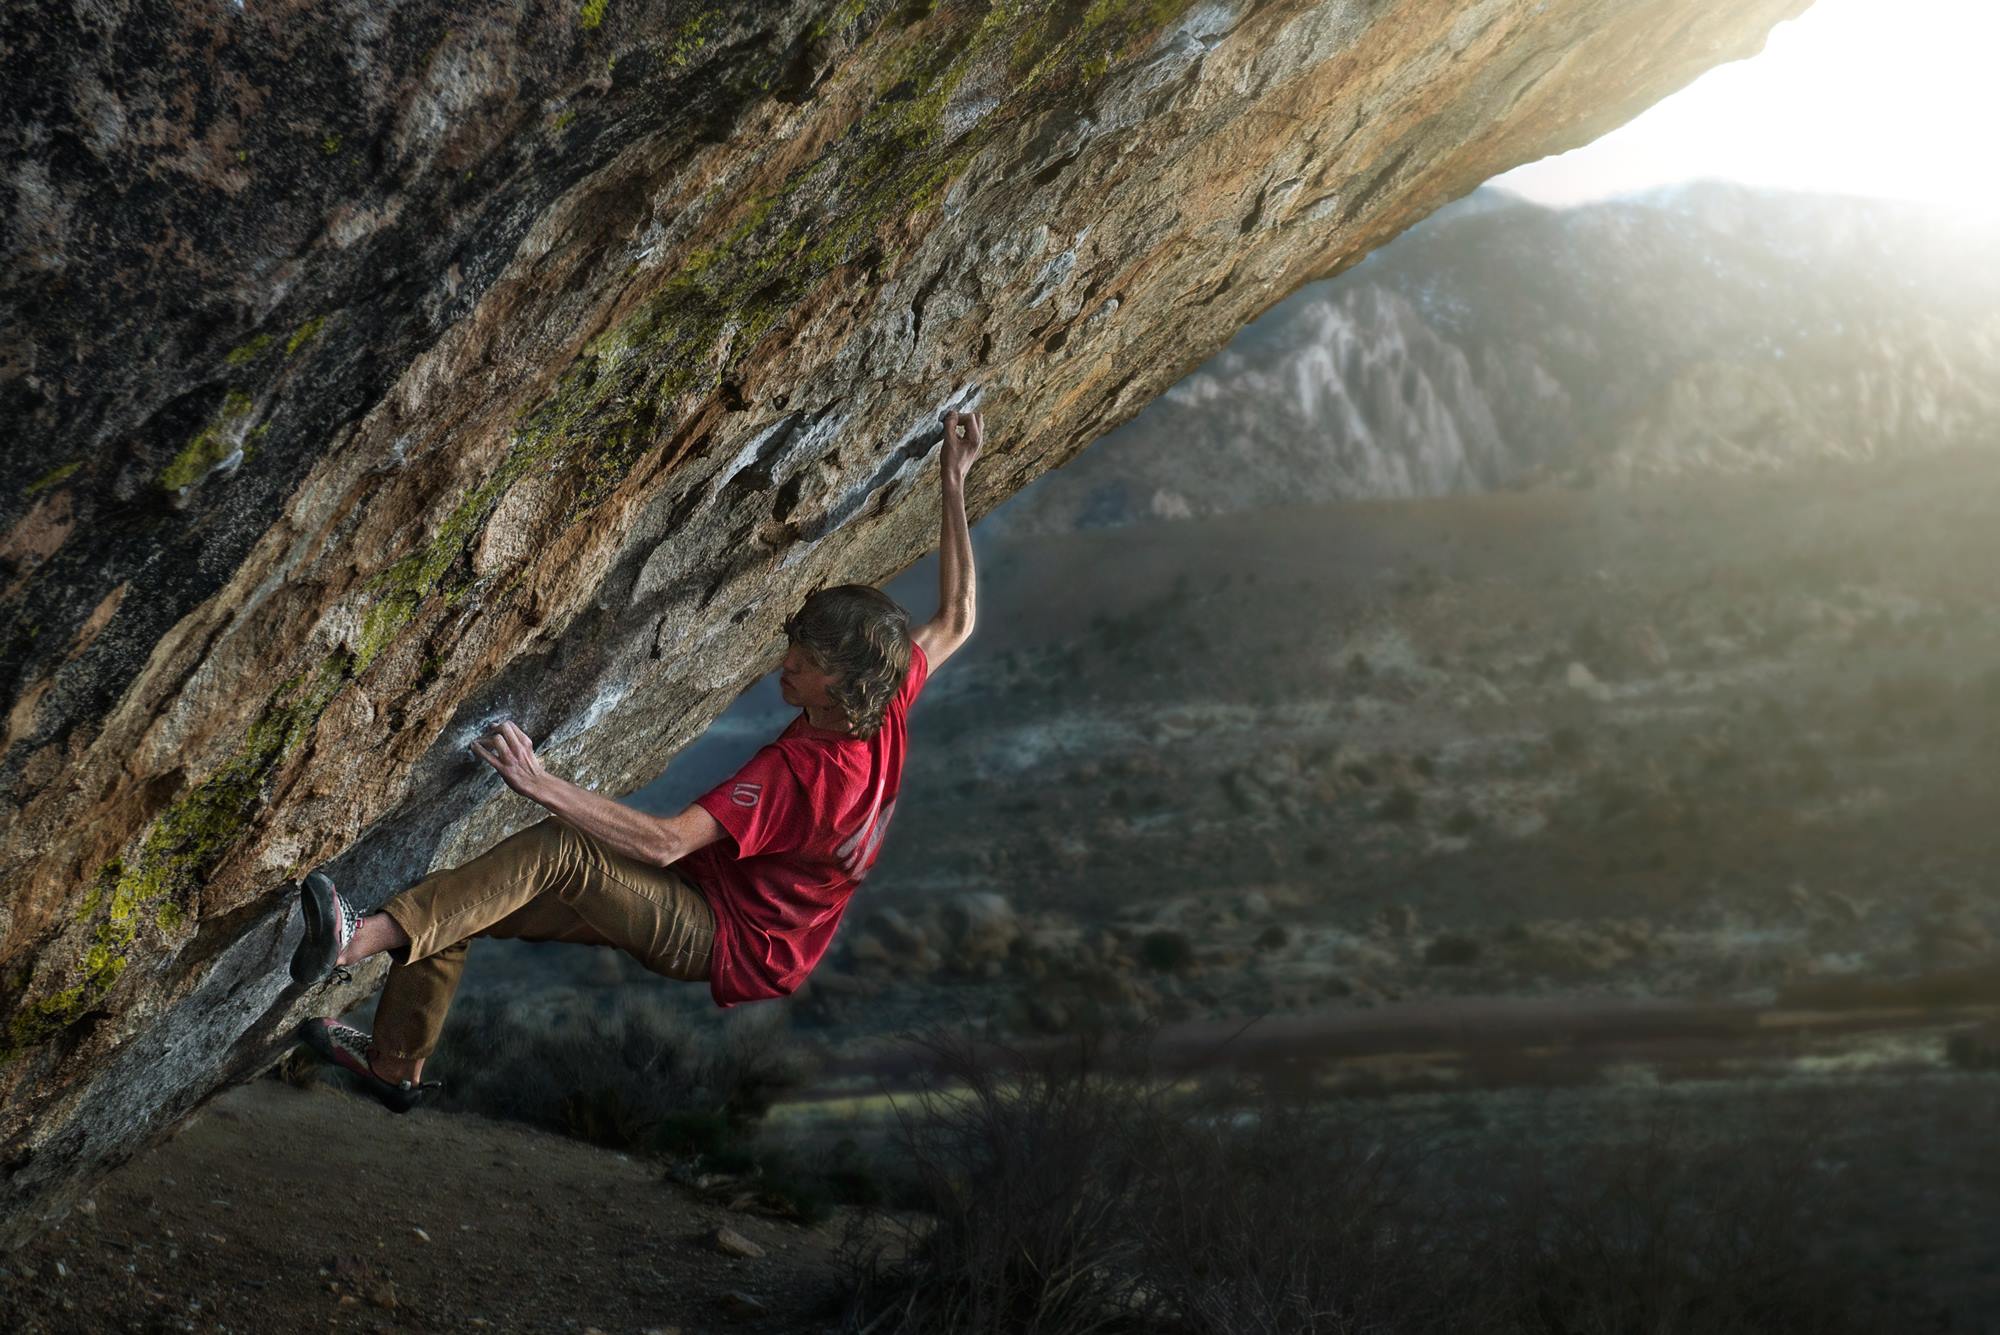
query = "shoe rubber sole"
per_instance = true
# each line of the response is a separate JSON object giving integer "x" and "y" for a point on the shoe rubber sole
{"x": 320, "y": 946}
{"x": 396, "y": 1098}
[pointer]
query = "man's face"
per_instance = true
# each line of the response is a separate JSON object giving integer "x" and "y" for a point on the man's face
{"x": 802, "y": 682}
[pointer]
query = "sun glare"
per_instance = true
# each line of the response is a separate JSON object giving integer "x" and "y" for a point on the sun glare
{"x": 1856, "y": 97}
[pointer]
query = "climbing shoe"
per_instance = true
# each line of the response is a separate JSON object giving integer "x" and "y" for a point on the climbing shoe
{"x": 330, "y": 922}
{"x": 347, "y": 1047}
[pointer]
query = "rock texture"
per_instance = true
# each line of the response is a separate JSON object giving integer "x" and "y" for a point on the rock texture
{"x": 1701, "y": 328}
{"x": 368, "y": 374}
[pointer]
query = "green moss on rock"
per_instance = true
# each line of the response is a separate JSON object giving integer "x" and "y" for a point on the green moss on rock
{"x": 210, "y": 446}
{"x": 306, "y": 332}
{"x": 248, "y": 352}
{"x": 35, "y": 1022}
{"x": 191, "y": 836}
{"x": 687, "y": 40}
{"x": 161, "y": 877}
{"x": 841, "y": 16}
{"x": 55, "y": 477}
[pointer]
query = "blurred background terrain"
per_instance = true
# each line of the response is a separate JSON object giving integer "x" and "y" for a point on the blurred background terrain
{"x": 1504, "y": 753}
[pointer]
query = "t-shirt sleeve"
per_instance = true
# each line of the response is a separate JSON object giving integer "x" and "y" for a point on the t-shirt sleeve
{"x": 919, "y": 673}
{"x": 762, "y": 806}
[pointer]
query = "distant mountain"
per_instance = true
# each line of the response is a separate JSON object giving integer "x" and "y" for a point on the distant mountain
{"x": 1501, "y": 343}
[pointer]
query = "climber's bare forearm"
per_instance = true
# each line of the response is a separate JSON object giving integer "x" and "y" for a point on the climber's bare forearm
{"x": 957, "y": 597}
{"x": 655, "y": 840}
{"x": 957, "y": 586}
{"x": 624, "y": 829}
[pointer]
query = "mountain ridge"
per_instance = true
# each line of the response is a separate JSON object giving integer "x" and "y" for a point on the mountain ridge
{"x": 1698, "y": 327}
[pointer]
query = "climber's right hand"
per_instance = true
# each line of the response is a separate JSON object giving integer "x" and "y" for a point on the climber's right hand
{"x": 961, "y": 451}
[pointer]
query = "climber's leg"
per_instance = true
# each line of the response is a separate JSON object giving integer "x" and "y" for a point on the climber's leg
{"x": 373, "y": 934}
{"x": 553, "y": 885}
{"x": 458, "y": 903}
{"x": 410, "y": 1013}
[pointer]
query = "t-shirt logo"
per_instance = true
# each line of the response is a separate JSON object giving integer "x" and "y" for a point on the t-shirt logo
{"x": 745, "y": 794}
{"x": 858, "y": 851}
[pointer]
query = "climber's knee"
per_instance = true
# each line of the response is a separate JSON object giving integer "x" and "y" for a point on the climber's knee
{"x": 566, "y": 857}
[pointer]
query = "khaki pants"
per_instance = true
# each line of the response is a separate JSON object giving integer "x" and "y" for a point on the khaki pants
{"x": 547, "y": 883}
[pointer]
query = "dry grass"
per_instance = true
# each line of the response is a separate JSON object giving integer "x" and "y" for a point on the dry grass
{"x": 633, "y": 1075}
{"x": 1081, "y": 1194}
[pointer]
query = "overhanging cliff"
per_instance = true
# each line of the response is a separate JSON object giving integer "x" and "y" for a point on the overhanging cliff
{"x": 366, "y": 374}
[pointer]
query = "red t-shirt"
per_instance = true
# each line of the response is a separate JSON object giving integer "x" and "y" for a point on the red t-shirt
{"x": 805, "y": 818}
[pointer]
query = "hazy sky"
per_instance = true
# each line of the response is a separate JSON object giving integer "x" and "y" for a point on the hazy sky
{"x": 1860, "y": 97}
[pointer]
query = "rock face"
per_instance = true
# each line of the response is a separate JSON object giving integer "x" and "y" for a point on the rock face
{"x": 369, "y": 375}
{"x": 1699, "y": 328}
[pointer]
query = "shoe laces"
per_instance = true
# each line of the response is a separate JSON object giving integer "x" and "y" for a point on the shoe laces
{"x": 355, "y": 1042}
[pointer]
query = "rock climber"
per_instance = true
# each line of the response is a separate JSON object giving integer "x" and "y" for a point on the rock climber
{"x": 742, "y": 890}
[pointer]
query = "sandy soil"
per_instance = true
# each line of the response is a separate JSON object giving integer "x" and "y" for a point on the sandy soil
{"x": 280, "y": 1209}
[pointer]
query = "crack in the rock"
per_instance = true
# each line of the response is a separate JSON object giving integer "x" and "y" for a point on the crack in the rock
{"x": 917, "y": 306}
{"x": 1375, "y": 186}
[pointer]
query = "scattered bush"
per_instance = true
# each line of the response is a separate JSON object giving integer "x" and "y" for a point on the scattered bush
{"x": 1812, "y": 774}
{"x": 637, "y": 1077}
{"x": 1909, "y": 692}
{"x": 1450, "y": 949}
{"x": 298, "y": 1068}
{"x": 1402, "y": 803}
{"x": 603, "y": 1117}
{"x": 632, "y": 1076}
{"x": 1975, "y": 1049}
{"x": 1071, "y": 1194}
{"x": 1987, "y": 690}
{"x": 1166, "y": 951}
{"x": 1616, "y": 796}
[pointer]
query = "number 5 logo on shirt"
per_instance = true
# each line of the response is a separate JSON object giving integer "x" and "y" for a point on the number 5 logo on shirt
{"x": 745, "y": 794}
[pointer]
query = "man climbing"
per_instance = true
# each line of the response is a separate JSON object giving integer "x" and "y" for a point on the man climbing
{"x": 741, "y": 890}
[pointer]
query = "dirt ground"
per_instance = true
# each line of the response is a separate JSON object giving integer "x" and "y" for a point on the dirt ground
{"x": 280, "y": 1209}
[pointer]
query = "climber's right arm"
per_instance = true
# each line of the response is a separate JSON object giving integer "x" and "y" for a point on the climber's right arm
{"x": 943, "y": 633}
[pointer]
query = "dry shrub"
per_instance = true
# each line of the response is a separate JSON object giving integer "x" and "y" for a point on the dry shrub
{"x": 298, "y": 1068}
{"x": 1279, "y": 1224}
{"x": 1027, "y": 1174}
{"x": 1663, "y": 1231}
{"x": 1078, "y": 1193}
{"x": 634, "y": 1075}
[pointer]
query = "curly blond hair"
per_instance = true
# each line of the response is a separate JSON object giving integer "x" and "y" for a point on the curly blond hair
{"x": 862, "y": 636}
